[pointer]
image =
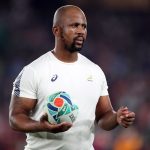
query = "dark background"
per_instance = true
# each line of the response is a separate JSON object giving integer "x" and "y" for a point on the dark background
{"x": 118, "y": 41}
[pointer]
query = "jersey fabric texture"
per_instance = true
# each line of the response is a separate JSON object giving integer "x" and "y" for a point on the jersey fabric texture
{"x": 83, "y": 80}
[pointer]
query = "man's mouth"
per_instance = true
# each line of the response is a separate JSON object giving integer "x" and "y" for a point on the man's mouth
{"x": 79, "y": 40}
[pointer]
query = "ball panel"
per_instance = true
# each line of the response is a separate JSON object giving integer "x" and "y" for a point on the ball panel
{"x": 51, "y": 107}
{"x": 65, "y": 110}
{"x": 53, "y": 96}
{"x": 71, "y": 117}
{"x": 50, "y": 117}
{"x": 60, "y": 108}
{"x": 58, "y": 102}
{"x": 66, "y": 97}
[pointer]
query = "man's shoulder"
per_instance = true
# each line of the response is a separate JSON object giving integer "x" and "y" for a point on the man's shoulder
{"x": 40, "y": 61}
{"x": 86, "y": 61}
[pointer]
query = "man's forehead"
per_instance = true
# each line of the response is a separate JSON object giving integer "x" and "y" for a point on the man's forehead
{"x": 75, "y": 19}
{"x": 72, "y": 16}
{"x": 72, "y": 11}
{"x": 69, "y": 14}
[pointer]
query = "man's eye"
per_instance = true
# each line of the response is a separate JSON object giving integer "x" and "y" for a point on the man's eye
{"x": 75, "y": 25}
{"x": 84, "y": 26}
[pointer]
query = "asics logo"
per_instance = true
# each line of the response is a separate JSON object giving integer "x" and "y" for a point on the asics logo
{"x": 54, "y": 77}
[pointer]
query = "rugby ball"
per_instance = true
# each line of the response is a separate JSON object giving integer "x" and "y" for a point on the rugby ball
{"x": 60, "y": 108}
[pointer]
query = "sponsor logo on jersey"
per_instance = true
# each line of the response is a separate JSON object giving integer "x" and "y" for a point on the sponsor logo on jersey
{"x": 54, "y": 77}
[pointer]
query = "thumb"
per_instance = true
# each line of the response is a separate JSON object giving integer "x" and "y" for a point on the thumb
{"x": 44, "y": 117}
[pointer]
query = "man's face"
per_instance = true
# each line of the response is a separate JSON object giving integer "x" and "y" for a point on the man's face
{"x": 74, "y": 31}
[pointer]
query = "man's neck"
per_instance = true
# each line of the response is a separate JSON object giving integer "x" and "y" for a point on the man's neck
{"x": 65, "y": 56}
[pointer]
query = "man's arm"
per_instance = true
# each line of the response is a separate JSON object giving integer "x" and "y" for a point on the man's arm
{"x": 19, "y": 117}
{"x": 108, "y": 119}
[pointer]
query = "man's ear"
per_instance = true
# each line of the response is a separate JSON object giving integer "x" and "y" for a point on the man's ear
{"x": 56, "y": 31}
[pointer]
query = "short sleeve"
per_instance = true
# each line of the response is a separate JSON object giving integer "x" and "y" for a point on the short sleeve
{"x": 103, "y": 82}
{"x": 25, "y": 85}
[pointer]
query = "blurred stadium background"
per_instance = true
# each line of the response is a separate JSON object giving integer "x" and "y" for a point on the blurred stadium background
{"x": 118, "y": 40}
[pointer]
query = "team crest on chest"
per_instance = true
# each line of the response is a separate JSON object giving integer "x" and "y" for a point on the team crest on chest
{"x": 90, "y": 78}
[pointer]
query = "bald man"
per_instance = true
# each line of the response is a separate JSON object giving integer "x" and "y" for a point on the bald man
{"x": 75, "y": 74}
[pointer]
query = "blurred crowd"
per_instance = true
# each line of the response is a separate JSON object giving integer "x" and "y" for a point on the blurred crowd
{"x": 118, "y": 41}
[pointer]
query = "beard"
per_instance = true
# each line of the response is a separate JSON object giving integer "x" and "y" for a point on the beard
{"x": 73, "y": 47}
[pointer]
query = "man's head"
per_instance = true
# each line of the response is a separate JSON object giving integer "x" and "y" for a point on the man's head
{"x": 70, "y": 27}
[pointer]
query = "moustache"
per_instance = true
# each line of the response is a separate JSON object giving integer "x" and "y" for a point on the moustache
{"x": 79, "y": 38}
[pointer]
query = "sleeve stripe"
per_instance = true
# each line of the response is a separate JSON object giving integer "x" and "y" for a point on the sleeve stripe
{"x": 17, "y": 85}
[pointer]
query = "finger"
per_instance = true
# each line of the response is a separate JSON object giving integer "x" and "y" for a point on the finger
{"x": 124, "y": 108}
{"x": 121, "y": 108}
{"x": 60, "y": 127}
{"x": 129, "y": 118}
{"x": 125, "y": 112}
{"x": 44, "y": 117}
{"x": 65, "y": 126}
{"x": 124, "y": 125}
{"x": 128, "y": 114}
{"x": 126, "y": 121}
{"x": 131, "y": 115}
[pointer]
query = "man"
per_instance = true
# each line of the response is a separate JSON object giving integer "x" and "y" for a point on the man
{"x": 74, "y": 74}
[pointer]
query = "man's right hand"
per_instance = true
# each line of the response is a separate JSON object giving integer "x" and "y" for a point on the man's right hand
{"x": 53, "y": 128}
